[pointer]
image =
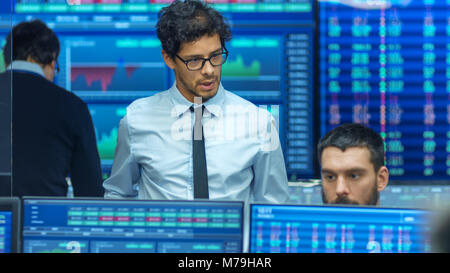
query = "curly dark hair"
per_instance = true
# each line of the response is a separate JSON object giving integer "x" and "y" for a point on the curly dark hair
{"x": 31, "y": 39}
{"x": 187, "y": 21}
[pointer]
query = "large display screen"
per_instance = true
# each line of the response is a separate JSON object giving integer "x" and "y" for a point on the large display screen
{"x": 110, "y": 55}
{"x": 386, "y": 64}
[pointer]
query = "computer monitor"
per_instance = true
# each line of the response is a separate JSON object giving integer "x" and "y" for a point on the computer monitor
{"x": 9, "y": 225}
{"x": 136, "y": 226}
{"x": 386, "y": 64}
{"x": 110, "y": 56}
{"x": 337, "y": 229}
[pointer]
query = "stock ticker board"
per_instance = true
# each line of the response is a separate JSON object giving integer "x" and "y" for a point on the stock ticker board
{"x": 386, "y": 64}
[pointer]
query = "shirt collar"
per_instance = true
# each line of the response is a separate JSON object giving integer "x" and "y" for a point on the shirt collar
{"x": 213, "y": 105}
{"x": 26, "y": 66}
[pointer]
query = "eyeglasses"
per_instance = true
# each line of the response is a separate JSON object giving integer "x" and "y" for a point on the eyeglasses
{"x": 198, "y": 63}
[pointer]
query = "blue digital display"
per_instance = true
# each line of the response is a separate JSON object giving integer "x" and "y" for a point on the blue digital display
{"x": 386, "y": 64}
{"x": 111, "y": 64}
{"x": 125, "y": 67}
{"x": 5, "y": 231}
{"x": 9, "y": 225}
{"x": 106, "y": 118}
{"x": 110, "y": 56}
{"x": 129, "y": 67}
{"x": 121, "y": 226}
{"x": 5, "y": 7}
{"x": 253, "y": 68}
{"x": 322, "y": 229}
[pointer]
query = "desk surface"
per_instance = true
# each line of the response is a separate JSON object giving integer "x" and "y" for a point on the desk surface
{"x": 402, "y": 196}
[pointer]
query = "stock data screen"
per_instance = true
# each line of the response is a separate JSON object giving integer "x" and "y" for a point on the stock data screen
{"x": 5, "y": 231}
{"x": 322, "y": 229}
{"x": 110, "y": 56}
{"x": 112, "y": 65}
{"x": 386, "y": 64}
{"x": 9, "y": 224}
{"x": 120, "y": 226}
{"x": 106, "y": 118}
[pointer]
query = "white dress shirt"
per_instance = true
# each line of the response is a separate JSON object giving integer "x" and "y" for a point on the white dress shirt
{"x": 153, "y": 157}
{"x": 26, "y": 66}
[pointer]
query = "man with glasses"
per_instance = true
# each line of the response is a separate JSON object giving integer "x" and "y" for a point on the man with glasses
{"x": 52, "y": 132}
{"x": 197, "y": 140}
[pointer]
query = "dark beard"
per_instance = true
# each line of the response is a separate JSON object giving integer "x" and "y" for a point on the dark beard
{"x": 373, "y": 198}
{"x": 195, "y": 93}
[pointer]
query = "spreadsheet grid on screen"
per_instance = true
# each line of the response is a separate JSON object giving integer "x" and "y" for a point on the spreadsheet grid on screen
{"x": 104, "y": 226}
{"x": 323, "y": 229}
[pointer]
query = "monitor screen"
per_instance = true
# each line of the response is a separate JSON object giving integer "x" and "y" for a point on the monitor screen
{"x": 110, "y": 56}
{"x": 131, "y": 226}
{"x": 386, "y": 64}
{"x": 337, "y": 229}
{"x": 9, "y": 225}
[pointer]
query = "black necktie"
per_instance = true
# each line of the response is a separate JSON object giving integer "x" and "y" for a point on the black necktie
{"x": 198, "y": 156}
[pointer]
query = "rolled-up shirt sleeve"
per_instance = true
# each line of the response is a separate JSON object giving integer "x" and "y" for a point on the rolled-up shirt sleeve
{"x": 271, "y": 183}
{"x": 125, "y": 170}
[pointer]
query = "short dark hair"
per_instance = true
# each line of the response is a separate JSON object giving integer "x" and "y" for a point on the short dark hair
{"x": 31, "y": 39}
{"x": 355, "y": 135}
{"x": 187, "y": 21}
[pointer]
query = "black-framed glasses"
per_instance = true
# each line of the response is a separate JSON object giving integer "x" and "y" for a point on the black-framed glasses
{"x": 198, "y": 63}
